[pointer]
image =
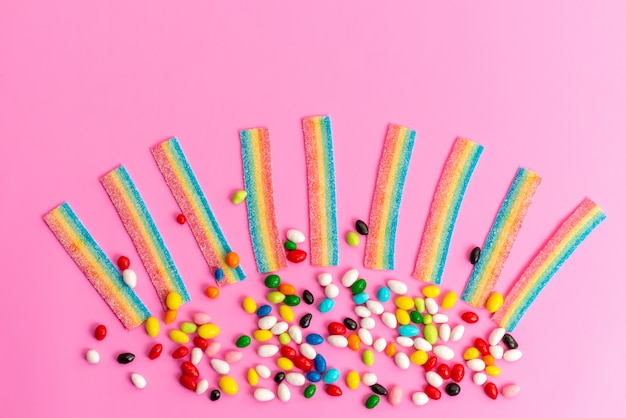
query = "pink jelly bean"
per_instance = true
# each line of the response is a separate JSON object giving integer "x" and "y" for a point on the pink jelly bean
{"x": 213, "y": 348}
{"x": 395, "y": 395}
{"x": 510, "y": 391}
{"x": 201, "y": 318}
{"x": 233, "y": 356}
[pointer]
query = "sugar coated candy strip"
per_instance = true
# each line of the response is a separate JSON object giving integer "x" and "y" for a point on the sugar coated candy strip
{"x": 95, "y": 265}
{"x": 257, "y": 172}
{"x": 392, "y": 170}
{"x": 444, "y": 208}
{"x": 501, "y": 238}
{"x": 192, "y": 201}
{"x": 547, "y": 262}
{"x": 143, "y": 232}
{"x": 318, "y": 143}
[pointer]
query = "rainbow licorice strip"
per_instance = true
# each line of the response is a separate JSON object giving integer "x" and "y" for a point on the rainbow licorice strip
{"x": 193, "y": 203}
{"x": 257, "y": 172}
{"x": 394, "y": 164}
{"x": 98, "y": 269}
{"x": 318, "y": 144}
{"x": 561, "y": 245}
{"x": 501, "y": 238}
{"x": 457, "y": 172}
{"x": 143, "y": 232}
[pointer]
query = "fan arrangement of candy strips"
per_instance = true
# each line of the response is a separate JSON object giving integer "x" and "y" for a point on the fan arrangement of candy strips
{"x": 419, "y": 321}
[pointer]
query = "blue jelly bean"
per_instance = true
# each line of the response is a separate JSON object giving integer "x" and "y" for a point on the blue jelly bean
{"x": 326, "y": 305}
{"x": 383, "y": 294}
{"x": 320, "y": 363}
{"x": 314, "y": 339}
{"x": 408, "y": 330}
{"x": 313, "y": 377}
{"x": 331, "y": 376}
{"x": 219, "y": 274}
{"x": 360, "y": 298}
{"x": 263, "y": 310}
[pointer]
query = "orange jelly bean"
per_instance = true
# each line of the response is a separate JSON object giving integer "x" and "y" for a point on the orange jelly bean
{"x": 170, "y": 316}
{"x": 390, "y": 350}
{"x": 212, "y": 292}
{"x": 232, "y": 259}
{"x": 287, "y": 289}
{"x": 489, "y": 360}
{"x": 354, "y": 342}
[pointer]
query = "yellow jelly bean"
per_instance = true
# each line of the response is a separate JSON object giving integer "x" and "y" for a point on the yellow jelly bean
{"x": 179, "y": 337}
{"x": 170, "y": 316}
{"x": 286, "y": 313}
{"x": 403, "y": 317}
{"x": 173, "y": 300}
{"x": 228, "y": 385}
{"x": 449, "y": 300}
{"x": 152, "y": 326}
{"x": 419, "y": 357}
{"x": 208, "y": 331}
{"x": 471, "y": 353}
{"x": 249, "y": 305}
{"x": 262, "y": 335}
{"x": 353, "y": 380}
{"x": 284, "y": 363}
{"x": 420, "y": 305}
{"x": 284, "y": 338}
{"x": 494, "y": 302}
{"x": 253, "y": 377}
{"x": 404, "y": 302}
{"x": 492, "y": 370}
{"x": 431, "y": 291}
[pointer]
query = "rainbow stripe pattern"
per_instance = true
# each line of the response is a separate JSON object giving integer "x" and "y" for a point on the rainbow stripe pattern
{"x": 95, "y": 265}
{"x": 561, "y": 245}
{"x": 383, "y": 222}
{"x": 257, "y": 172}
{"x": 184, "y": 185}
{"x": 457, "y": 172}
{"x": 318, "y": 144}
{"x": 501, "y": 238}
{"x": 143, "y": 232}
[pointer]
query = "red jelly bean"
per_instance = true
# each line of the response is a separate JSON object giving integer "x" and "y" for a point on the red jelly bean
{"x": 181, "y": 219}
{"x": 180, "y": 352}
{"x": 444, "y": 371}
{"x": 296, "y": 256}
{"x": 458, "y": 372}
{"x": 432, "y": 392}
{"x": 200, "y": 342}
{"x": 188, "y": 382}
{"x": 469, "y": 317}
{"x": 482, "y": 346}
{"x": 334, "y": 390}
{"x": 337, "y": 328}
{"x": 491, "y": 390}
{"x": 155, "y": 351}
{"x": 189, "y": 369}
{"x": 101, "y": 332}
{"x": 123, "y": 262}
{"x": 303, "y": 363}
{"x": 288, "y": 352}
{"x": 430, "y": 363}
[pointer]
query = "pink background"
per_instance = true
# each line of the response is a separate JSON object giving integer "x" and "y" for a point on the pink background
{"x": 85, "y": 86}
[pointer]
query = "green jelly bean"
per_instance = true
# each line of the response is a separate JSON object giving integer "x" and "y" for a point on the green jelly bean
{"x": 284, "y": 338}
{"x": 275, "y": 297}
{"x": 368, "y": 357}
{"x": 430, "y": 333}
{"x": 290, "y": 245}
{"x": 353, "y": 239}
{"x": 372, "y": 401}
{"x": 427, "y": 319}
{"x": 239, "y": 196}
{"x": 420, "y": 305}
{"x": 309, "y": 391}
{"x": 272, "y": 281}
{"x": 292, "y": 300}
{"x": 358, "y": 286}
{"x": 416, "y": 317}
{"x": 243, "y": 341}
{"x": 188, "y": 327}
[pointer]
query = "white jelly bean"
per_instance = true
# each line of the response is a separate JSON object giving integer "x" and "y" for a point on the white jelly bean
{"x": 402, "y": 360}
{"x": 496, "y": 336}
{"x": 267, "y": 350}
{"x": 398, "y": 287}
{"x": 203, "y": 386}
{"x": 440, "y": 318}
{"x": 324, "y": 279}
{"x": 331, "y": 291}
{"x": 337, "y": 341}
{"x": 476, "y": 365}
{"x": 279, "y": 328}
{"x": 284, "y": 394}
{"x": 350, "y": 277}
{"x": 138, "y": 380}
{"x": 404, "y": 341}
{"x": 512, "y": 355}
{"x": 92, "y": 357}
{"x": 369, "y": 379}
{"x": 480, "y": 379}
{"x": 296, "y": 236}
{"x": 263, "y": 371}
{"x": 263, "y": 395}
{"x": 267, "y": 322}
{"x": 196, "y": 355}
{"x": 443, "y": 352}
{"x": 368, "y": 323}
{"x": 444, "y": 332}
{"x": 496, "y": 351}
{"x": 295, "y": 378}
{"x": 434, "y": 379}
{"x": 362, "y": 311}
{"x": 296, "y": 334}
{"x": 375, "y": 306}
{"x": 220, "y": 366}
{"x": 419, "y": 398}
{"x": 457, "y": 333}
{"x": 380, "y": 344}
{"x": 389, "y": 319}
{"x": 421, "y": 344}
{"x": 130, "y": 278}
{"x": 307, "y": 351}
{"x": 365, "y": 336}
{"x": 431, "y": 306}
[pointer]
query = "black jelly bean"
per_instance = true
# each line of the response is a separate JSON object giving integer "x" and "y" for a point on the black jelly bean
{"x": 509, "y": 341}
{"x": 215, "y": 394}
{"x": 475, "y": 255}
{"x": 280, "y": 376}
{"x": 379, "y": 389}
{"x": 305, "y": 321}
{"x": 453, "y": 389}
{"x": 307, "y": 297}
{"x": 350, "y": 323}
{"x": 125, "y": 358}
{"x": 361, "y": 227}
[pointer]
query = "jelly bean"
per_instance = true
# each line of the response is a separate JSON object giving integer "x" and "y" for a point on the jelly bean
{"x": 496, "y": 351}
{"x": 491, "y": 390}
{"x": 295, "y": 236}
{"x": 369, "y": 379}
{"x": 215, "y": 395}
{"x": 509, "y": 341}
{"x": 443, "y": 352}
{"x": 200, "y": 318}
{"x": 430, "y": 333}
{"x": 155, "y": 351}
{"x": 430, "y": 363}
{"x": 130, "y": 278}
{"x": 92, "y": 356}
{"x": 440, "y": 318}
{"x": 308, "y": 351}
{"x": 262, "y": 335}
{"x": 395, "y": 395}
{"x": 453, "y": 389}
{"x": 353, "y": 239}
{"x": 489, "y": 360}
{"x": 492, "y": 370}
{"x": 383, "y": 294}
{"x": 404, "y": 302}
{"x": 267, "y": 322}
{"x": 361, "y": 227}
{"x": 253, "y": 377}
{"x": 444, "y": 332}
{"x": 457, "y": 333}
{"x": 474, "y": 255}
{"x": 326, "y": 305}
{"x": 420, "y": 305}
{"x": 398, "y": 287}
{"x": 280, "y": 329}
{"x": 286, "y": 313}
{"x": 419, "y": 357}
{"x": 188, "y": 327}
{"x": 309, "y": 391}
{"x": 469, "y": 317}
{"x": 303, "y": 363}
{"x": 476, "y": 364}
{"x": 362, "y": 312}
{"x": 368, "y": 323}
{"x": 390, "y": 350}
{"x": 196, "y": 355}
{"x": 202, "y": 387}
{"x": 331, "y": 375}
{"x": 232, "y": 260}
{"x": 208, "y": 331}
{"x": 243, "y": 341}
{"x": 349, "y": 324}
{"x": 374, "y": 307}
{"x": 296, "y": 256}
{"x": 408, "y": 331}
{"x": 170, "y": 316}
{"x": 365, "y": 336}
{"x": 324, "y": 279}
{"x": 331, "y": 291}
{"x": 379, "y": 389}
{"x": 232, "y": 356}
{"x": 372, "y": 401}
{"x": 272, "y": 281}
{"x": 228, "y": 385}
{"x": 201, "y": 344}
{"x": 334, "y": 390}
{"x": 350, "y": 277}
{"x": 188, "y": 382}
{"x": 238, "y": 197}
{"x": 275, "y": 297}
{"x": 404, "y": 341}
{"x": 307, "y": 297}
{"x": 125, "y": 358}
{"x": 279, "y": 377}
{"x": 296, "y": 334}
{"x": 431, "y": 306}
{"x": 336, "y": 328}
{"x": 123, "y": 262}
{"x": 444, "y": 371}
{"x": 449, "y": 300}
{"x": 432, "y": 392}
{"x": 434, "y": 379}
{"x": 494, "y": 302}
{"x": 479, "y": 378}
{"x": 389, "y": 320}
{"x": 457, "y": 373}
{"x": 427, "y": 319}
{"x": 180, "y": 352}
{"x": 402, "y": 360}
{"x": 471, "y": 353}
{"x": 354, "y": 342}
{"x": 287, "y": 289}
{"x": 173, "y": 300}
{"x": 368, "y": 357}
{"x": 296, "y": 379}
{"x": 513, "y": 354}
{"x": 263, "y": 371}
{"x": 267, "y": 350}
{"x": 220, "y": 366}
{"x": 402, "y": 317}
{"x": 288, "y": 352}
{"x": 305, "y": 321}
{"x": 481, "y": 345}
{"x": 219, "y": 275}
{"x": 360, "y": 298}
{"x": 337, "y": 341}
{"x": 249, "y": 305}
{"x": 290, "y": 245}
{"x": 314, "y": 339}
{"x": 212, "y": 292}
{"x": 496, "y": 336}
{"x": 510, "y": 391}
{"x": 431, "y": 291}
{"x": 283, "y": 392}
{"x": 353, "y": 380}
{"x": 212, "y": 348}
{"x": 189, "y": 369}
{"x": 284, "y": 363}
{"x": 263, "y": 395}
{"x": 263, "y": 310}
{"x": 358, "y": 286}
{"x": 416, "y": 317}
{"x": 419, "y": 398}
{"x": 138, "y": 380}
{"x": 319, "y": 363}
{"x": 101, "y": 331}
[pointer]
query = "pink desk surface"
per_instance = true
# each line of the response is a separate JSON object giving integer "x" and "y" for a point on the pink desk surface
{"x": 85, "y": 86}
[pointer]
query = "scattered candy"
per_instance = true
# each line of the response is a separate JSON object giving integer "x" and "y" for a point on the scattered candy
{"x": 130, "y": 278}
{"x": 125, "y": 358}
{"x": 296, "y": 256}
{"x": 469, "y": 317}
{"x": 491, "y": 390}
{"x": 510, "y": 391}
{"x": 453, "y": 389}
{"x": 100, "y": 332}
{"x": 202, "y": 387}
{"x": 180, "y": 352}
{"x": 212, "y": 292}
{"x": 420, "y": 398}
{"x": 352, "y": 239}
{"x": 138, "y": 380}
{"x": 92, "y": 357}
{"x": 334, "y": 390}
{"x": 283, "y": 392}
{"x": 509, "y": 341}
{"x": 480, "y": 379}
{"x": 238, "y": 197}
{"x": 232, "y": 260}
{"x": 181, "y": 219}
{"x": 215, "y": 395}
{"x": 474, "y": 255}
{"x": 228, "y": 385}
{"x": 494, "y": 302}
{"x": 512, "y": 354}
{"x": 123, "y": 262}
{"x": 263, "y": 395}
{"x": 372, "y": 401}
{"x": 155, "y": 351}
{"x": 361, "y": 227}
